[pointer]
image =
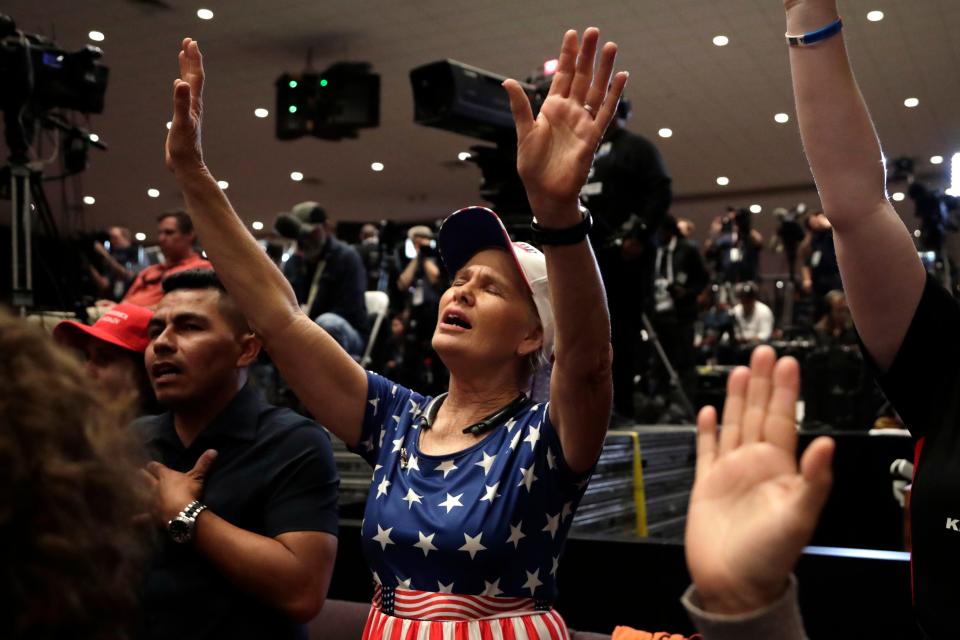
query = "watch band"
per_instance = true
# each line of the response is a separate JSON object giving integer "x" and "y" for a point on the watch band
{"x": 563, "y": 237}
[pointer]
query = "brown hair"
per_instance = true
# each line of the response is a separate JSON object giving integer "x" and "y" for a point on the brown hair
{"x": 70, "y": 553}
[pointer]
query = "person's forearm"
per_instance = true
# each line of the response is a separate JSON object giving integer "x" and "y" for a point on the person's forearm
{"x": 838, "y": 136}
{"x": 259, "y": 289}
{"x": 432, "y": 271}
{"x": 406, "y": 278}
{"x": 582, "y": 341}
{"x": 260, "y": 566}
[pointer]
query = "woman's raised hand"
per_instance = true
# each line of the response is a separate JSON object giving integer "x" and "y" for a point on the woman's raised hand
{"x": 184, "y": 152}
{"x": 555, "y": 150}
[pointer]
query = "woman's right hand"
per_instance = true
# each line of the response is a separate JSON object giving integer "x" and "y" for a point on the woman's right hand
{"x": 184, "y": 151}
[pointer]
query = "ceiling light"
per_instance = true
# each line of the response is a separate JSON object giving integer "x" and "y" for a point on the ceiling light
{"x": 205, "y": 14}
{"x": 665, "y": 132}
{"x": 936, "y": 159}
{"x": 257, "y": 225}
{"x": 755, "y": 208}
{"x": 169, "y": 124}
{"x": 296, "y": 176}
{"x": 153, "y": 193}
{"x": 140, "y": 236}
{"x": 916, "y": 233}
{"x": 463, "y": 156}
{"x": 954, "y": 189}
{"x": 875, "y": 16}
{"x": 723, "y": 181}
{"x": 96, "y": 36}
{"x": 910, "y": 103}
{"x": 93, "y": 137}
{"x": 261, "y": 112}
{"x": 550, "y": 67}
{"x": 899, "y": 196}
{"x": 89, "y": 200}
{"x": 223, "y": 184}
{"x": 721, "y": 41}
{"x": 782, "y": 118}
{"x": 377, "y": 166}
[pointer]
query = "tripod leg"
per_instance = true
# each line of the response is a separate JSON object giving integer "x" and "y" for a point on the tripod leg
{"x": 675, "y": 382}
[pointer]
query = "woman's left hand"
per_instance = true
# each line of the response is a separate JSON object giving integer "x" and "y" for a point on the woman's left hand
{"x": 555, "y": 150}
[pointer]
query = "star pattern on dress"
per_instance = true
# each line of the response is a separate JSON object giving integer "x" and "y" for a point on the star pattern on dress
{"x": 532, "y": 437}
{"x": 567, "y": 510}
{"x": 393, "y": 391}
{"x": 490, "y": 493}
{"x": 414, "y": 408}
{"x": 511, "y": 423}
{"x": 491, "y": 588}
{"x": 412, "y": 464}
{"x": 534, "y": 408}
{"x": 403, "y": 584}
{"x": 553, "y": 524}
{"x": 451, "y": 502}
{"x": 374, "y": 403}
{"x": 383, "y": 487}
{"x": 377, "y": 468}
{"x": 383, "y": 537}
{"x": 446, "y": 466}
{"x": 516, "y": 534}
{"x": 376, "y": 578}
{"x": 486, "y": 463}
{"x": 551, "y": 459}
{"x": 411, "y": 497}
{"x": 533, "y": 581}
{"x": 397, "y": 444}
{"x": 396, "y": 419}
{"x": 472, "y": 544}
{"x": 529, "y": 477}
{"x": 515, "y": 441}
{"x": 426, "y": 543}
{"x": 556, "y": 565}
{"x": 382, "y": 434}
{"x": 444, "y": 588}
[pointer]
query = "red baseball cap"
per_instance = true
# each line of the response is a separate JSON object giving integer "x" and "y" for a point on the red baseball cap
{"x": 124, "y": 325}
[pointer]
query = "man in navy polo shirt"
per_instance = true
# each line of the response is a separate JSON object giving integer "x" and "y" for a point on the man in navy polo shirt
{"x": 246, "y": 493}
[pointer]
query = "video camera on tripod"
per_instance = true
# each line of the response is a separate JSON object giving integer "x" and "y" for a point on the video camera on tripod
{"x": 39, "y": 76}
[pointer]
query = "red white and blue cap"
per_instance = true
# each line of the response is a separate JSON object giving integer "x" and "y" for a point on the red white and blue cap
{"x": 470, "y": 230}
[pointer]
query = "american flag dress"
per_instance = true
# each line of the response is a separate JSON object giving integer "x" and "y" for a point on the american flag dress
{"x": 464, "y": 545}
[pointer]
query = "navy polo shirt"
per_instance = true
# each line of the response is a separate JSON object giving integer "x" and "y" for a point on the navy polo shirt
{"x": 274, "y": 473}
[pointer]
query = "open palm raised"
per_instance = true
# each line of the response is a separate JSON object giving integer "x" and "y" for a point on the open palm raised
{"x": 555, "y": 150}
{"x": 752, "y": 509}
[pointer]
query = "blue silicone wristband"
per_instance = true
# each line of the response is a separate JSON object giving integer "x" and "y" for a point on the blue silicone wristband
{"x": 819, "y": 35}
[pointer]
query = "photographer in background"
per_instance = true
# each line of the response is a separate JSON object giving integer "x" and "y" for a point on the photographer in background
{"x": 733, "y": 247}
{"x": 327, "y": 276}
{"x": 820, "y": 273}
{"x": 420, "y": 285}
{"x": 628, "y": 193}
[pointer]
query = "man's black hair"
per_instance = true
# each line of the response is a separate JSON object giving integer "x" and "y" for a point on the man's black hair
{"x": 184, "y": 223}
{"x": 200, "y": 280}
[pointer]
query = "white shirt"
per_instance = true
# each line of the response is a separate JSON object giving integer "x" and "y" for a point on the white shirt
{"x": 758, "y": 326}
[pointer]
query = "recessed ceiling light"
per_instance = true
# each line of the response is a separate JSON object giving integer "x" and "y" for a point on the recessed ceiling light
{"x": 96, "y": 36}
{"x": 205, "y": 14}
{"x": 223, "y": 184}
{"x": 261, "y": 112}
{"x": 550, "y": 67}
{"x": 377, "y": 166}
{"x": 721, "y": 41}
{"x": 153, "y": 193}
{"x": 296, "y": 176}
{"x": 936, "y": 159}
{"x": 257, "y": 225}
{"x": 723, "y": 181}
{"x": 140, "y": 236}
{"x": 899, "y": 196}
{"x": 89, "y": 200}
{"x": 665, "y": 132}
{"x": 94, "y": 137}
{"x": 875, "y": 16}
{"x": 755, "y": 208}
{"x": 782, "y": 118}
{"x": 910, "y": 103}
{"x": 463, "y": 156}
{"x": 916, "y": 234}
{"x": 169, "y": 124}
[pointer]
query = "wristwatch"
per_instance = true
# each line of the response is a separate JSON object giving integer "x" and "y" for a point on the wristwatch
{"x": 182, "y": 527}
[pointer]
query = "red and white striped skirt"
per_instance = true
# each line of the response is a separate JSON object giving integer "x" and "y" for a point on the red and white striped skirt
{"x": 424, "y": 615}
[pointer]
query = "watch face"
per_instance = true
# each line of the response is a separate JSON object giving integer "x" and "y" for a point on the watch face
{"x": 180, "y": 530}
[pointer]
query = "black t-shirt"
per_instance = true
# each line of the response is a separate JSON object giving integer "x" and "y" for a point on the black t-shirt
{"x": 924, "y": 386}
{"x": 274, "y": 474}
{"x": 341, "y": 286}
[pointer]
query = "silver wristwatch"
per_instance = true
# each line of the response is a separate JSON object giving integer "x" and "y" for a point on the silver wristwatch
{"x": 182, "y": 527}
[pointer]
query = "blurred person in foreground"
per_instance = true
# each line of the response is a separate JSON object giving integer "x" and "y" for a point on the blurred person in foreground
{"x": 71, "y": 558}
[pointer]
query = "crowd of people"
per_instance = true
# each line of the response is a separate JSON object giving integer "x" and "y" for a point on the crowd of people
{"x": 113, "y": 531}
